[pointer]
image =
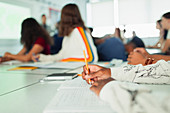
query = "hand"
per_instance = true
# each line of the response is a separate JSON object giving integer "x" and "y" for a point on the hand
{"x": 135, "y": 58}
{"x": 97, "y": 86}
{"x": 35, "y": 58}
{"x": 7, "y": 55}
{"x": 96, "y": 73}
{"x": 142, "y": 51}
{"x": 1, "y": 59}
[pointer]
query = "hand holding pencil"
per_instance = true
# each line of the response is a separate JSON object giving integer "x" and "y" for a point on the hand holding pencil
{"x": 87, "y": 68}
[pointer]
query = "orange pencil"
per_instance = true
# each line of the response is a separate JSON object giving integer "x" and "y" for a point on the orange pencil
{"x": 85, "y": 59}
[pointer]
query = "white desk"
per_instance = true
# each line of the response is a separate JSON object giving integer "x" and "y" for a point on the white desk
{"x": 21, "y": 92}
{"x": 31, "y": 99}
{"x": 153, "y": 50}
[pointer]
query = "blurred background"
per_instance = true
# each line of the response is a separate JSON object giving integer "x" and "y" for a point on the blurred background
{"x": 102, "y": 15}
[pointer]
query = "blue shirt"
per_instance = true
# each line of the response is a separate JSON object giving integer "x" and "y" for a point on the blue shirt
{"x": 112, "y": 48}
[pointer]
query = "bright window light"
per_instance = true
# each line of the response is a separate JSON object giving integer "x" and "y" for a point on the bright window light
{"x": 11, "y": 17}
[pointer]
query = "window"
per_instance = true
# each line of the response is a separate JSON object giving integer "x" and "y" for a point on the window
{"x": 11, "y": 17}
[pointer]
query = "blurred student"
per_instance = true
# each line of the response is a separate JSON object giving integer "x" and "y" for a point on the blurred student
{"x": 76, "y": 38}
{"x": 44, "y": 23}
{"x": 134, "y": 43}
{"x": 163, "y": 35}
{"x": 165, "y": 22}
{"x": 34, "y": 39}
{"x": 56, "y": 47}
{"x": 111, "y": 48}
{"x": 141, "y": 56}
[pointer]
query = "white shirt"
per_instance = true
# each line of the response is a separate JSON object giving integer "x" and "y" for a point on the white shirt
{"x": 158, "y": 73}
{"x": 73, "y": 46}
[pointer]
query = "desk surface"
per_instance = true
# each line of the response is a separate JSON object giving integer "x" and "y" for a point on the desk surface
{"x": 31, "y": 99}
{"x": 22, "y": 92}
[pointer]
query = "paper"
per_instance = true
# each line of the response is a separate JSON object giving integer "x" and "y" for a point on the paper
{"x": 63, "y": 65}
{"x": 12, "y": 62}
{"x": 75, "y": 96}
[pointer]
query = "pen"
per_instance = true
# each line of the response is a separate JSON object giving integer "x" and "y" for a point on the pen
{"x": 35, "y": 57}
{"x": 85, "y": 59}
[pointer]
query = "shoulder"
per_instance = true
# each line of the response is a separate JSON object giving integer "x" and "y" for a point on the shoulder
{"x": 40, "y": 41}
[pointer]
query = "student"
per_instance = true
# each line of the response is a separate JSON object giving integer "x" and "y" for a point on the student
{"x": 35, "y": 40}
{"x": 76, "y": 38}
{"x": 141, "y": 56}
{"x": 112, "y": 48}
{"x": 44, "y": 23}
{"x": 166, "y": 25}
{"x": 109, "y": 84}
{"x": 163, "y": 35}
{"x": 158, "y": 73}
{"x": 134, "y": 43}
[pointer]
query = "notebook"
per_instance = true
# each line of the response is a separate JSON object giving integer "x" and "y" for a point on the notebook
{"x": 75, "y": 97}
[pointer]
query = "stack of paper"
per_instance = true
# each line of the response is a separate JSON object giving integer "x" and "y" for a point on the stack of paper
{"x": 75, "y": 97}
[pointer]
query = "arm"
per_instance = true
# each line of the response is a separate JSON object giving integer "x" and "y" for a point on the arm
{"x": 6, "y": 58}
{"x": 166, "y": 46}
{"x": 25, "y": 58}
{"x": 159, "y": 57}
{"x": 158, "y": 73}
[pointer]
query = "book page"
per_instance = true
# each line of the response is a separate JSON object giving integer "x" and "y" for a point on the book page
{"x": 74, "y": 96}
{"x": 77, "y": 100}
{"x": 75, "y": 83}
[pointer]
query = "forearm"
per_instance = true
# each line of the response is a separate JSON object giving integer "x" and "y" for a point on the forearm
{"x": 23, "y": 58}
{"x": 160, "y": 57}
{"x": 46, "y": 58}
{"x": 158, "y": 73}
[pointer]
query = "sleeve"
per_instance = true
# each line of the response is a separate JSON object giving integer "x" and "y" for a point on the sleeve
{"x": 47, "y": 58}
{"x": 122, "y": 95}
{"x": 158, "y": 73}
{"x": 116, "y": 95}
{"x": 40, "y": 41}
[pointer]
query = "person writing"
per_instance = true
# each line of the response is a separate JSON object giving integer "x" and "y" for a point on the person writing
{"x": 157, "y": 72}
{"x": 76, "y": 38}
{"x": 34, "y": 38}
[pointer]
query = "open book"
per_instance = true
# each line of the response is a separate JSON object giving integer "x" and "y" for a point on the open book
{"x": 74, "y": 96}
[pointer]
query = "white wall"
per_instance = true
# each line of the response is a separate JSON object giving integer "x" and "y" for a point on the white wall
{"x": 39, "y": 8}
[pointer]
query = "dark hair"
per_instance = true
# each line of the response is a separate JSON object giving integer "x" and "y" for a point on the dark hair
{"x": 42, "y": 15}
{"x": 31, "y": 30}
{"x": 159, "y": 22}
{"x": 70, "y": 18}
{"x": 137, "y": 42}
{"x": 166, "y": 15}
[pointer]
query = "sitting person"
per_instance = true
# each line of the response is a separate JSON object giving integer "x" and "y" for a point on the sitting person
{"x": 162, "y": 36}
{"x": 76, "y": 39}
{"x": 141, "y": 56}
{"x": 134, "y": 43}
{"x": 158, "y": 73}
{"x": 106, "y": 83}
{"x": 56, "y": 47}
{"x": 112, "y": 48}
{"x": 165, "y": 22}
{"x": 34, "y": 38}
